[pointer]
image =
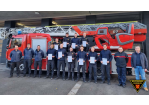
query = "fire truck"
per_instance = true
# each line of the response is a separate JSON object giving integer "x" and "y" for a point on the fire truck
{"x": 126, "y": 35}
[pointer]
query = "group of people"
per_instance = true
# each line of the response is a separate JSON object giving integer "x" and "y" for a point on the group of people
{"x": 57, "y": 56}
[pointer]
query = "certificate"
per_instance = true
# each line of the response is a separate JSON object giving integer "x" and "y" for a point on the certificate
{"x": 64, "y": 44}
{"x": 104, "y": 60}
{"x": 73, "y": 45}
{"x": 84, "y": 43}
{"x": 56, "y": 47}
{"x": 59, "y": 54}
{"x": 80, "y": 61}
{"x": 92, "y": 59}
{"x": 49, "y": 56}
{"x": 69, "y": 58}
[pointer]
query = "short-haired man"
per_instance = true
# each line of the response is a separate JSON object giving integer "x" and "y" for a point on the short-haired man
{"x": 61, "y": 61}
{"x": 121, "y": 59}
{"x": 139, "y": 63}
{"x": 81, "y": 56}
{"x": 105, "y": 56}
{"x": 76, "y": 41}
{"x": 50, "y": 64}
{"x": 93, "y": 64}
{"x": 67, "y": 39}
{"x": 84, "y": 38}
{"x": 15, "y": 56}
{"x": 39, "y": 54}
{"x": 71, "y": 65}
{"x": 28, "y": 55}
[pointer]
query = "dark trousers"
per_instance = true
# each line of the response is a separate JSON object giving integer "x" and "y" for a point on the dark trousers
{"x": 83, "y": 71}
{"x": 67, "y": 47}
{"x": 86, "y": 49}
{"x": 56, "y": 63}
{"x": 50, "y": 67}
{"x": 121, "y": 75}
{"x": 13, "y": 65}
{"x": 61, "y": 62}
{"x": 38, "y": 63}
{"x": 105, "y": 68}
{"x": 71, "y": 69}
{"x": 94, "y": 68}
{"x": 76, "y": 49}
{"x": 27, "y": 65}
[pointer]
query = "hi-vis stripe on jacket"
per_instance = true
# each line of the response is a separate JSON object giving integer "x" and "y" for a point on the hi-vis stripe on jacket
{"x": 121, "y": 59}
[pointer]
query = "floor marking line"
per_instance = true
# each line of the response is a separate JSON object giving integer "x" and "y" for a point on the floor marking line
{"x": 75, "y": 89}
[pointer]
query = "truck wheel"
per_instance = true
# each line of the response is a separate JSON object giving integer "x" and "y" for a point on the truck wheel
{"x": 21, "y": 67}
{"x": 98, "y": 74}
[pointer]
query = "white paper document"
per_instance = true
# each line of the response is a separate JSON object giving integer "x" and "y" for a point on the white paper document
{"x": 64, "y": 44}
{"x": 73, "y": 45}
{"x": 49, "y": 56}
{"x": 92, "y": 59}
{"x": 59, "y": 54}
{"x": 69, "y": 58}
{"x": 104, "y": 60}
{"x": 80, "y": 61}
{"x": 84, "y": 43}
{"x": 56, "y": 47}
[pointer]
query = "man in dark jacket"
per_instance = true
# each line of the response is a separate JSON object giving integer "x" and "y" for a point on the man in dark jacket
{"x": 28, "y": 55}
{"x": 76, "y": 41}
{"x": 84, "y": 38}
{"x": 105, "y": 59}
{"x": 121, "y": 59}
{"x": 50, "y": 65}
{"x": 67, "y": 39}
{"x": 93, "y": 64}
{"x": 39, "y": 54}
{"x": 15, "y": 56}
{"x": 81, "y": 56}
{"x": 61, "y": 60}
{"x": 71, "y": 64}
{"x": 139, "y": 63}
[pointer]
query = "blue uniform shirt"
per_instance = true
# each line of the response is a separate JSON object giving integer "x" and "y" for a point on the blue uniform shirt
{"x": 75, "y": 40}
{"x": 106, "y": 54}
{"x": 39, "y": 55}
{"x": 138, "y": 61}
{"x": 15, "y": 55}
{"x": 63, "y": 52}
{"x": 93, "y": 54}
{"x": 28, "y": 53}
{"x": 82, "y": 54}
{"x": 51, "y": 51}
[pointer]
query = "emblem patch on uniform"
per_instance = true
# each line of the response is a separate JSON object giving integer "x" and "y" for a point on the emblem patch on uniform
{"x": 137, "y": 84}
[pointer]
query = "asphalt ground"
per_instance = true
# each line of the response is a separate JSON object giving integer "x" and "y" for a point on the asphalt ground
{"x": 42, "y": 86}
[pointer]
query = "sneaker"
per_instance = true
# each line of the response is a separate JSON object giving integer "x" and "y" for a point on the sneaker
{"x": 102, "y": 82}
{"x": 95, "y": 82}
{"x": 146, "y": 89}
{"x": 119, "y": 84}
{"x": 124, "y": 86}
{"x": 109, "y": 83}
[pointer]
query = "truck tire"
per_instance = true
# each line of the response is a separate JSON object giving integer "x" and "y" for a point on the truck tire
{"x": 21, "y": 67}
{"x": 98, "y": 74}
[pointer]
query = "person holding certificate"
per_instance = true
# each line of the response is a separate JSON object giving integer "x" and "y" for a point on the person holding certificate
{"x": 81, "y": 58}
{"x": 93, "y": 58}
{"x": 71, "y": 63}
{"x": 75, "y": 43}
{"x": 105, "y": 59}
{"x": 85, "y": 42}
{"x": 67, "y": 40}
{"x": 50, "y": 65}
{"x": 121, "y": 59}
{"x": 61, "y": 54}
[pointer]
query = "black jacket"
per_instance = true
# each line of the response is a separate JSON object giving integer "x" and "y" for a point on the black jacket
{"x": 67, "y": 39}
{"x": 84, "y": 39}
{"x": 73, "y": 54}
{"x": 121, "y": 59}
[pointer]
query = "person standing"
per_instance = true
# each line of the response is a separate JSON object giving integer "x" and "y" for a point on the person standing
{"x": 84, "y": 38}
{"x": 50, "y": 64}
{"x": 28, "y": 55}
{"x": 76, "y": 41}
{"x": 139, "y": 63}
{"x": 81, "y": 56}
{"x": 39, "y": 54}
{"x": 61, "y": 61}
{"x": 71, "y": 65}
{"x": 67, "y": 39}
{"x": 93, "y": 58}
{"x": 15, "y": 56}
{"x": 105, "y": 59}
{"x": 121, "y": 59}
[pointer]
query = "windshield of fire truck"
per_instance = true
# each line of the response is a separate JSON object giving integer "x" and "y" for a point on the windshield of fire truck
{"x": 114, "y": 30}
{"x": 16, "y": 41}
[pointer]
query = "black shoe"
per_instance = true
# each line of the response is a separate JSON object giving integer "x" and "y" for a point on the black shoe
{"x": 89, "y": 81}
{"x": 102, "y": 82}
{"x": 34, "y": 76}
{"x": 29, "y": 75}
{"x": 57, "y": 78}
{"x": 95, "y": 82}
{"x": 124, "y": 86}
{"x": 119, "y": 84}
{"x": 24, "y": 75}
{"x": 77, "y": 80}
{"x": 109, "y": 83}
{"x": 67, "y": 78}
{"x": 47, "y": 77}
{"x": 84, "y": 80}
{"x": 10, "y": 76}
